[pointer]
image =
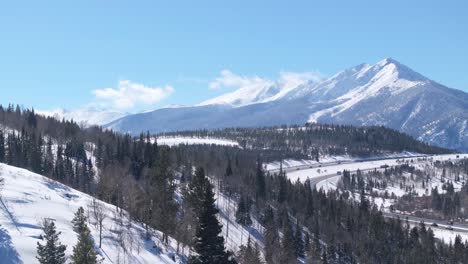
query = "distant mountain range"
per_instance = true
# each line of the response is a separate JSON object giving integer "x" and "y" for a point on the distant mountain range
{"x": 86, "y": 116}
{"x": 387, "y": 93}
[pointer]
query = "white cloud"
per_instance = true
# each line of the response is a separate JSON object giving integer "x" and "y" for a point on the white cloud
{"x": 300, "y": 77}
{"x": 129, "y": 93}
{"x": 229, "y": 79}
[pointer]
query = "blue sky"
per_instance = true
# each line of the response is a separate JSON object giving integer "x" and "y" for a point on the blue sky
{"x": 66, "y": 53}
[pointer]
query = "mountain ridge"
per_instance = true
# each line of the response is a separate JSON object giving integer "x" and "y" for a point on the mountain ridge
{"x": 387, "y": 93}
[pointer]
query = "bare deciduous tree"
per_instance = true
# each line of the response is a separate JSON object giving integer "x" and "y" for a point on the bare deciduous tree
{"x": 98, "y": 212}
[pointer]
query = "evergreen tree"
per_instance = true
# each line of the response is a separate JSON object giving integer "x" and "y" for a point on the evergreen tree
{"x": 83, "y": 251}
{"x": 2, "y": 147}
{"x": 298, "y": 242}
{"x": 249, "y": 254}
{"x": 229, "y": 169}
{"x": 288, "y": 251}
{"x": 272, "y": 240}
{"x": 306, "y": 242}
{"x": 243, "y": 212}
{"x": 53, "y": 252}
{"x": 209, "y": 243}
{"x": 161, "y": 193}
{"x": 79, "y": 221}
{"x": 260, "y": 181}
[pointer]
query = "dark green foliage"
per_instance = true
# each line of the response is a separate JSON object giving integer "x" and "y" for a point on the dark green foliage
{"x": 209, "y": 243}
{"x": 161, "y": 191}
{"x": 249, "y": 254}
{"x": 52, "y": 252}
{"x": 79, "y": 221}
{"x": 272, "y": 239}
{"x": 83, "y": 251}
{"x": 243, "y": 211}
{"x": 260, "y": 191}
{"x": 288, "y": 250}
{"x": 314, "y": 140}
{"x": 298, "y": 242}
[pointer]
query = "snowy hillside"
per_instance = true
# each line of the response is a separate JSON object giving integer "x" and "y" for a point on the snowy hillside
{"x": 387, "y": 93}
{"x": 28, "y": 198}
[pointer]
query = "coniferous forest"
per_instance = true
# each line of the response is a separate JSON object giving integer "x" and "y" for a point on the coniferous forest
{"x": 140, "y": 176}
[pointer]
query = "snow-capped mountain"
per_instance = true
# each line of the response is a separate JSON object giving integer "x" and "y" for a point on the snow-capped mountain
{"x": 258, "y": 90}
{"x": 88, "y": 115}
{"x": 387, "y": 93}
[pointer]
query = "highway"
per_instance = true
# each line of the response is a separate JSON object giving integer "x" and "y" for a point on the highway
{"x": 442, "y": 225}
{"x": 333, "y": 163}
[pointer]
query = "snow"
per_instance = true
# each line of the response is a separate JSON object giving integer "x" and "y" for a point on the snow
{"x": 328, "y": 184}
{"x": 252, "y": 90}
{"x": 235, "y": 234}
{"x": 28, "y": 198}
{"x": 173, "y": 141}
{"x": 385, "y": 76}
{"x": 324, "y": 160}
{"x": 291, "y": 163}
{"x": 448, "y": 236}
{"x": 303, "y": 175}
{"x": 87, "y": 115}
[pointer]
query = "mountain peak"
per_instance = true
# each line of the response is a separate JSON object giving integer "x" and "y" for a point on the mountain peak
{"x": 387, "y": 61}
{"x": 402, "y": 71}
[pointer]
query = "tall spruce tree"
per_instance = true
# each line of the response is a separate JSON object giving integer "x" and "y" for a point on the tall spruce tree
{"x": 2, "y": 147}
{"x": 83, "y": 251}
{"x": 260, "y": 189}
{"x": 52, "y": 252}
{"x": 209, "y": 243}
{"x": 79, "y": 221}
{"x": 243, "y": 212}
{"x": 161, "y": 193}
{"x": 249, "y": 254}
{"x": 288, "y": 251}
{"x": 299, "y": 242}
{"x": 272, "y": 240}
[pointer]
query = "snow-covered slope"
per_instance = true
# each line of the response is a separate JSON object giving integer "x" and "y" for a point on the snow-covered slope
{"x": 258, "y": 90}
{"x": 387, "y": 93}
{"x": 28, "y": 198}
{"x": 87, "y": 115}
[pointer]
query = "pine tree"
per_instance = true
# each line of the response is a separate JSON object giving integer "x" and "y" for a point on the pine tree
{"x": 229, "y": 169}
{"x": 53, "y": 252}
{"x": 83, "y": 251}
{"x": 298, "y": 242}
{"x": 260, "y": 181}
{"x": 209, "y": 243}
{"x": 243, "y": 212}
{"x": 79, "y": 221}
{"x": 288, "y": 251}
{"x": 249, "y": 254}
{"x": 2, "y": 147}
{"x": 306, "y": 241}
{"x": 272, "y": 240}
{"x": 161, "y": 193}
